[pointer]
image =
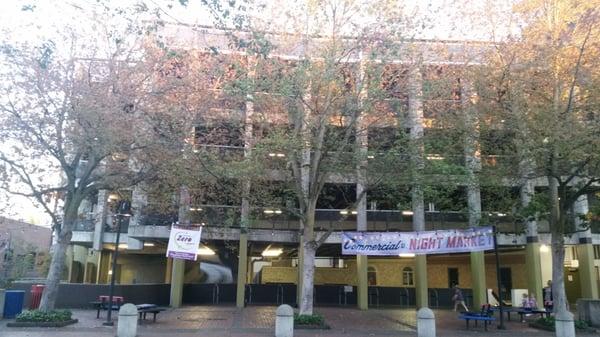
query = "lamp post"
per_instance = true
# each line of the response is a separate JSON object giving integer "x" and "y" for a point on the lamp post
{"x": 498, "y": 279}
{"x": 122, "y": 212}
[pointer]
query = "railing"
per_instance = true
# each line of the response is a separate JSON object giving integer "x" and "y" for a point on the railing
{"x": 86, "y": 225}
{"x": 338, "y": 219}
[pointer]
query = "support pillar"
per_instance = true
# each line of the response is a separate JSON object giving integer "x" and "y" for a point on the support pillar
{"x": 177, "y": 275}
{"x": 421, "y": 289}
{"x": 168, "y": 270}
{"x": 585, "y": 252}
{"x": 363, "y": 283}
{"x": 473, "y": 165}
{"x": 478, "y": 279}
{"x": 533, "y": 269}
{"x": 242, "y": 270}
{"x": 417, "y": 150}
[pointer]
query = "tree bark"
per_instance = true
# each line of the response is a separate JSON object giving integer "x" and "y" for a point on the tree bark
{"x": 308, "y": 263}
{"x": 306, "y": 304}
{"x": 56, "y": 268}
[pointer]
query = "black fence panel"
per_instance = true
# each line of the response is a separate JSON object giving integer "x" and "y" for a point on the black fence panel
{"x": 200, "y": 294}
{"x": 262, "y": 293}
{"x": 227, "y": 293}
{"x": 79, "y": 295}
{"x": 287, "y": 294}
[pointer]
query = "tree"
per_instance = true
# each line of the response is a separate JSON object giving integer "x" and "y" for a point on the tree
{"x": 540, "y": 85}
{"x": 76, "y": 121}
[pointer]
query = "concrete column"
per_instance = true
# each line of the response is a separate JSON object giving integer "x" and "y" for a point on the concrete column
{"x": 168, "y": 270}
{"x": 363, "y": 285}
{"x": 472, "y": 150}
{"x": 533, "y": 266}
{"x": 585, "y": 252}
{"x": 242, "y": 269}
{"x": 69, "y": 262}
{"x": 99, "y": 219}
{"x": 177, "y": 276}
{"x": 178, "y": 269}
{"x": 415, "y": 119}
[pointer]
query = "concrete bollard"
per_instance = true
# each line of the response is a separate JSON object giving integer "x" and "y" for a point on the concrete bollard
{"x": 284, "y": 321}
{"x": 2, "y": 303}
{"x": 425, "y": 323}
{"x": 128, "y": 321}
{"x": 564, "y": 324}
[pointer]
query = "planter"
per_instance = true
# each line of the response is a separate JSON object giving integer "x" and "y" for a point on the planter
{"x": 311, "y": 327}
{"x": 41, "y": 324}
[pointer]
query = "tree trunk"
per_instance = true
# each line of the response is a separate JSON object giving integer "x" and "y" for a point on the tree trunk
{"x": 308, "y": 277}
{"x": 57, "y": 265}
{"x": 557, "y": 229}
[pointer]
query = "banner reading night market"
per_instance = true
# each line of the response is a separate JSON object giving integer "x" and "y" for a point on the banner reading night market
{"x": 418, "y": 243}
{"x": 184, "y": 242}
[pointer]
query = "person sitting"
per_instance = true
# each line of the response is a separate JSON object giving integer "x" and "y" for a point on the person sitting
{"x": 525, "y": 304}
{"x": 532, "y": 302}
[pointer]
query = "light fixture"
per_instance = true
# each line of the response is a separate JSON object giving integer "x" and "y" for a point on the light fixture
{"x": 435, "y": 157}
{"x": 280, "y": 155}
{"x": 344, "y": 212}
{"x": 544, "y": 249}
{"x": 123, "y": 246}
{"x": 148, "y": 244}
{"x": 110, "y": 272}
{"x": 196, "y": 209}
{"x": 370, "y": 157}
{"x": 278, "y": 211}
{"x": 205, "y": 251}
{"x": 407, "y": 213}
{"x": 354, "y": 212}
{"x": 406, "y": 255}
{"x": 271, "y": 154}
{"x": 268, "y": 211}
{"x": 272, "y": 252}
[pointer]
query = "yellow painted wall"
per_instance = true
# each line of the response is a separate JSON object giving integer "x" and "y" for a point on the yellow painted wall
{"x": 389, "y": 271}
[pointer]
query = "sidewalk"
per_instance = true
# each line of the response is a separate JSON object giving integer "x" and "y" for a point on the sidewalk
{"x": 222, "y": 321}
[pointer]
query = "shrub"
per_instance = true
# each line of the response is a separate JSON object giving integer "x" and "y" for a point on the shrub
{"x": 314, "y": 319}
{"x": 43, "y": 316}
{"x": 549, "y": 322}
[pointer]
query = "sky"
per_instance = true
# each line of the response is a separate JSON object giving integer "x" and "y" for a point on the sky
{"x": 32, "y": 21}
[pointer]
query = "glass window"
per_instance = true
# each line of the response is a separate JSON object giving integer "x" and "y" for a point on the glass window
{"x": 407, "y": 276}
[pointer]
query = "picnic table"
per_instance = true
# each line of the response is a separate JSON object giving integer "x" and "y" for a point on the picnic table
{"x": 102, "y": 303}
{"x": 522, "y": 312}
{"x": 144, "y": 309}
{"x": 485, "y": 315}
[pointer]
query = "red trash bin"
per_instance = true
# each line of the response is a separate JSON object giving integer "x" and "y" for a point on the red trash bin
{"x": 36, "y": 295}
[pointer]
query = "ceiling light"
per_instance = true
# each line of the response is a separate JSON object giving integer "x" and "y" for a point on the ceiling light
{"x": 544, "y": 249}
{"x": 278, "y": 211}
{"x": 272, "y": 154}
{"x": 123, "y": 246}
{"x": 195, "y": 209}
{"x": 354, "y": 212}
{"x": 272, "y": 252}
{"x": 435, "y": 157}
{"x": 370, "y": 157}
{"x": 148, "y": 244}
{"x": 406, "y": 255}
{"x": 205, "y": 251}
{"x": 407, "y": 213}
{"x": 280, "y": 155}
{"x": 268, "y": 211}
{"x": 343, "y": 212}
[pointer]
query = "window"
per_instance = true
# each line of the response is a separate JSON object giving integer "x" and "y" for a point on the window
{"x": 372, "y": 276}
{"x": 407, "y": 276}
{"x": 452, "y": 277}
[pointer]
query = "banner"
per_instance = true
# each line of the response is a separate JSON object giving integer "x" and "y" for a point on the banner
{"x": 418, "y": 243}
{"x": 184, "y": 242}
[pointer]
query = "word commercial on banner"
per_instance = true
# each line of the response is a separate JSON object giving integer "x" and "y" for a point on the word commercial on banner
{"x": 184, "y": 242}
{"x": 419, "y": 243}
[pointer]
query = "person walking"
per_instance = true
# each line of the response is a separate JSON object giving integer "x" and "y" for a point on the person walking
{"x": 458, "y": 298}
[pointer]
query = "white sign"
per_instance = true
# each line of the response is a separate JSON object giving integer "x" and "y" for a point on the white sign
{"x": 419, "y": 243}
{"x": 184, "y": 242}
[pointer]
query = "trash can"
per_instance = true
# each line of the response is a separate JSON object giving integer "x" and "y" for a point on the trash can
{"x": 36, "y": 296}
{"x": 13, "y": 303}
